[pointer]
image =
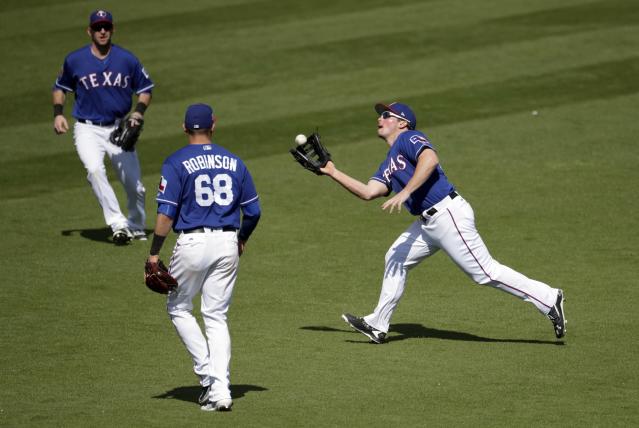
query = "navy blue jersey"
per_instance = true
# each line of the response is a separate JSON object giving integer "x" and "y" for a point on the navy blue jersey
{"x": 208, "y": 186}
{"x": 103, "y": 87}
{"x": 399, "y": 166}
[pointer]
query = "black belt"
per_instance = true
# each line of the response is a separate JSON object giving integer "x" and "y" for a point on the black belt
{"x": 432, "y": 211}
{"x": 90, "y": 122}
{"x": 202, "y": 229}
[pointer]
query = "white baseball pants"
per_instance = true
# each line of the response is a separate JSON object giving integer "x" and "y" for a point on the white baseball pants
{"x": 451, "y": 229}
{"x": 92, "y": 143}
{"x": 207, "y": 263}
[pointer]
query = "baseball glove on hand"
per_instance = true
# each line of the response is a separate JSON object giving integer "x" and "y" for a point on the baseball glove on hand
{"x": 127, "y": 133}
{"x": 311, "y": 154}
{"x": 158, "y": 278}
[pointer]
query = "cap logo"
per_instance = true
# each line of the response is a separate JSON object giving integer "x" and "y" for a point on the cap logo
{"x": 101, "y": 14}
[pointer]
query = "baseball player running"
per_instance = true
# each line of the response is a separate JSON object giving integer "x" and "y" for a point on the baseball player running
{"x": 444, "y": 220}
{"x": 202, "y": 190}
{"x": 104, "y": 76}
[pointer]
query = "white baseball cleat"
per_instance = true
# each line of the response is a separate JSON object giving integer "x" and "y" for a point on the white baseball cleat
{"x": 223, "y": 405}
{"x": 140, "y": 235}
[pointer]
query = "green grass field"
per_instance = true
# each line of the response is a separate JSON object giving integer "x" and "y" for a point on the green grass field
{"x": 84, "y": 343}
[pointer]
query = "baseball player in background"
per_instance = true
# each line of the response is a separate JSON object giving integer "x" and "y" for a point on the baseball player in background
{"x": 444, "y": 220}
{"x": 104, "y": 77}
{"x": 202, "y": 191}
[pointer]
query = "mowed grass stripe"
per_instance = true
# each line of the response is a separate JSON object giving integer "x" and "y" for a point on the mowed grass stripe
{"x": 420, "y": 75}
{"x": 605, "y": 80}
{"x": 176, "y": 47}
{"x": 276, "y": 100}
{"x": 24, "y": 18}
{"x": 344, "y": 23}
{"x": 354, "y": 51}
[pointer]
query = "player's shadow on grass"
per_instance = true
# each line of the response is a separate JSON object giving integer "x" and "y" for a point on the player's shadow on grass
{"x": 104, "y": 234}
{"x": 191, "y": 393}
{"x": 418, "y": 331}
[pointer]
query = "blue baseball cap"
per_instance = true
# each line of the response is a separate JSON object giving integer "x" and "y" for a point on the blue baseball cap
{"x": 100, "y": 16}
{"x": 400, "y": 110}
{"x": 198, "y": 116}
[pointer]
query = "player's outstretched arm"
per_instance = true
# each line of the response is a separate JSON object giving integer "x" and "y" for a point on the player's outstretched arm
{"x": 373, "y": 189}
{"x": 60, "y": 124}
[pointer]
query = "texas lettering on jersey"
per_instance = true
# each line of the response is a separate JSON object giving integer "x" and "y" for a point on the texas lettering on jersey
{"x": 95, "y": 80}
{"x": 394, "y": 164}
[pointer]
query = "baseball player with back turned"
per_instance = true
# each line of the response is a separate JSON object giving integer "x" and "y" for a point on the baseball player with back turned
{"x": 202, "y": 191}
{"x": 444, "y": 220}
{"x": 104, "y": 76}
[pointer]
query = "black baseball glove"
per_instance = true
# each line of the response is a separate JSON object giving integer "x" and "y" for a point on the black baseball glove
{"x": 127, "y": 133}
{"x": 158, "y": 278}
{"x": 312, "y": 155}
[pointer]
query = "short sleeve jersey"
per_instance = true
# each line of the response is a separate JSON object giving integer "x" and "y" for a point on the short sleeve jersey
{"x": 399, "y": 166}
{"x": 103, "y": 87}
{"x": 208, "y": 185}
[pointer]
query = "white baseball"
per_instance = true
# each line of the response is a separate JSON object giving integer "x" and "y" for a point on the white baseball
{"x": 300, "y": 139}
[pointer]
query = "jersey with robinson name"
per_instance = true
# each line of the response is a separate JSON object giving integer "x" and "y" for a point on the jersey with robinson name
{"x": 208, "y": 185}
{"x": 103, "y": 87}
{"x": 399, "y": 166}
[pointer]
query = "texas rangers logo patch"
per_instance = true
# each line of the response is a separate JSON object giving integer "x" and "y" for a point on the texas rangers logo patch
{"x": 418, "y": 139}
{"x": 162, "y": 185}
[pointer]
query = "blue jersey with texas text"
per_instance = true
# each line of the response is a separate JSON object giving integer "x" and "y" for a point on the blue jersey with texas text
{"x": 103, "y": 87}
{"x": 399, "y": 166}
{"x": 208, "y": 185}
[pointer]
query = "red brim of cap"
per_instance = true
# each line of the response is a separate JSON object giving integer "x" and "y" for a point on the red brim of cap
{"x": 99, "y": 21}
{"x": 381, "y": 108}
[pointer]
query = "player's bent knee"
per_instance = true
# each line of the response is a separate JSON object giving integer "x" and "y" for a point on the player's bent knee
{"x": 97, "y": 172}
{"x": 218, "y": 313}
{"x": 179, "y": 312}
{"x": 482, "y": 280}
{"x": 479, "y": 278}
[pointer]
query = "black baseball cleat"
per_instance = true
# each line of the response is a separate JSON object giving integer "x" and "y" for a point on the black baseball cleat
{"x": 204, "y": 395}
{"x": 362, "y": 326}
{"x": 122, "y": 236}
{"x": 556, "y": 315}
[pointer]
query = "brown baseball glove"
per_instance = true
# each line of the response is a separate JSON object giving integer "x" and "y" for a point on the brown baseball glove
{"x": 158, "y": 278}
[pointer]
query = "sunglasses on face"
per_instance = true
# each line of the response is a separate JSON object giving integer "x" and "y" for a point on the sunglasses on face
{"x": 102, "y": 26}
{"x": 387, "y": 114}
